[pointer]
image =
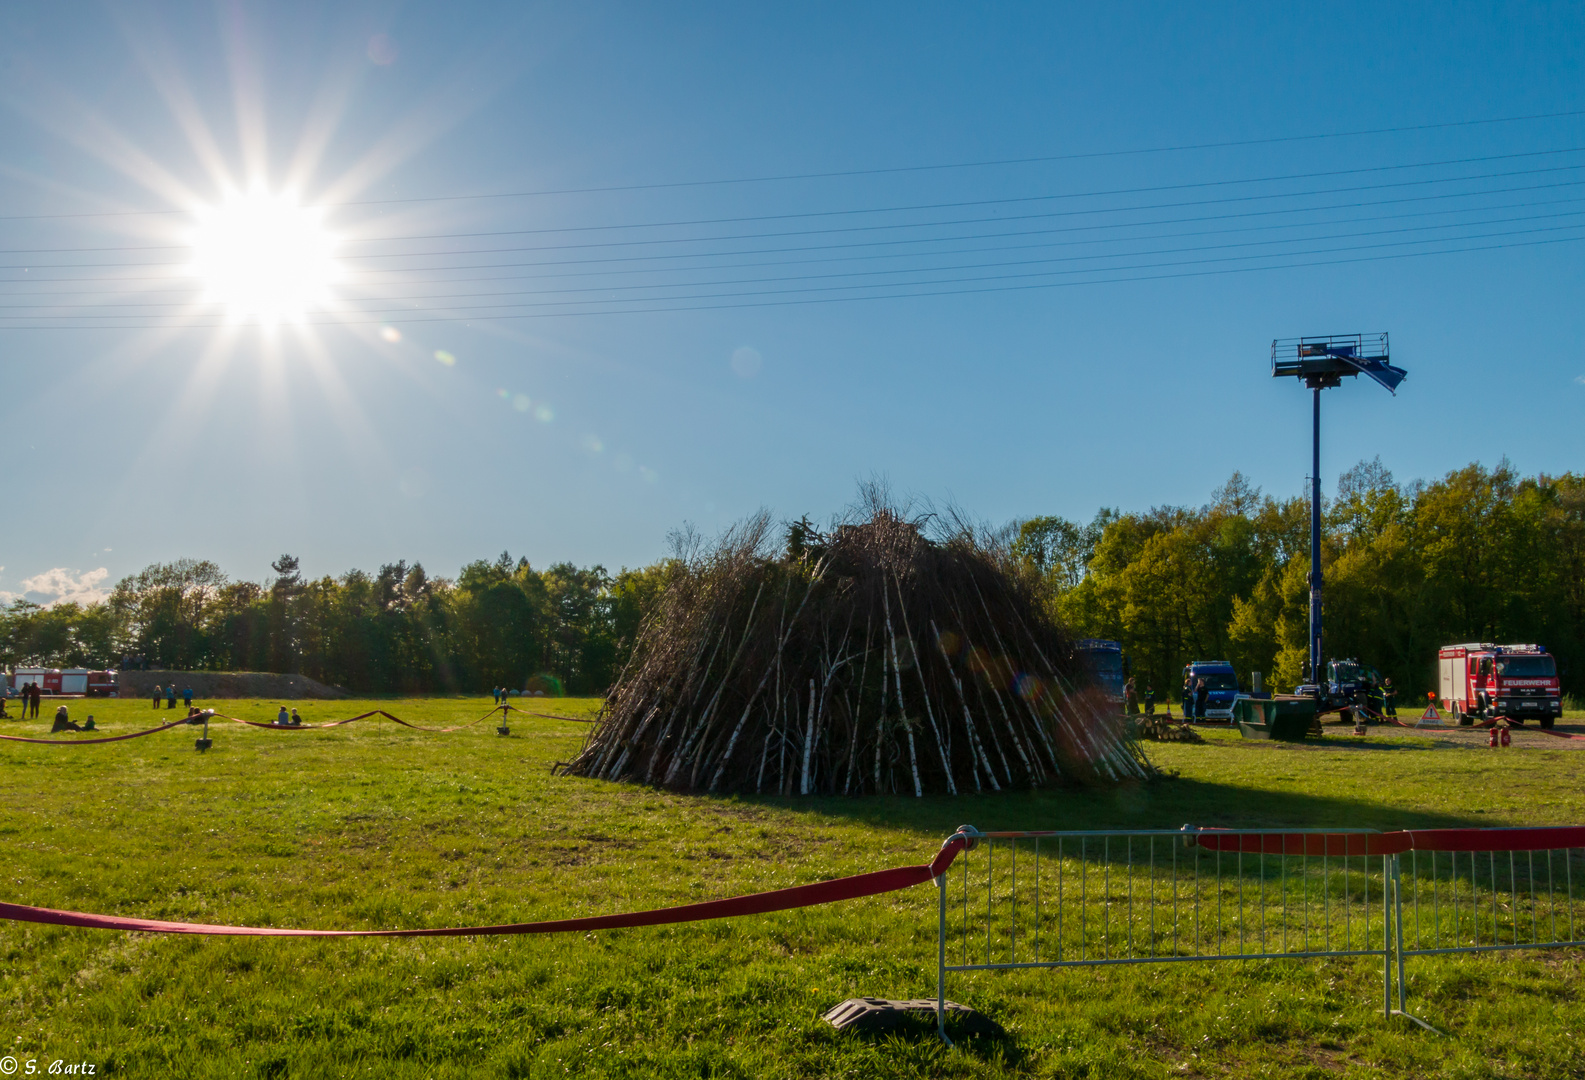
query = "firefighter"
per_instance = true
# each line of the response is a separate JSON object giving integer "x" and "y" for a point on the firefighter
{"x": 1374, "y": 707}
{"x": 1202, "y": 693}
{"x": 1150, "y": 701}
{"x": 1389, "y": 698}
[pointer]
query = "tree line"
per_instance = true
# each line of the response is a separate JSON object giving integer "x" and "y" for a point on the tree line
{"x": 1478, "y": 555}
{"x": 499, "y": 623}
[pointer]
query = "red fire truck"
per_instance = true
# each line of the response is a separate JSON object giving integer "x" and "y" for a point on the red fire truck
{"x": 1480, "y": 679}
{"x": 70, "y": 682}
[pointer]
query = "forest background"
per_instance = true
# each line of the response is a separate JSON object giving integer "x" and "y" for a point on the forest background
{"x": 1478, "y": 555}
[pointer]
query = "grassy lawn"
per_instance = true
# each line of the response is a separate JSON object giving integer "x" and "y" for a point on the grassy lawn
{"x": 376, "y": 826}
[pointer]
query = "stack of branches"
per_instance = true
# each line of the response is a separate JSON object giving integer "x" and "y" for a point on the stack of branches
{"x": 867, "y": 660}
{"x": 1166, "y": 729}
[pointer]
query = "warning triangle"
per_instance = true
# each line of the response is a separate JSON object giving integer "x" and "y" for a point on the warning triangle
{"x": 1429, "y": 717}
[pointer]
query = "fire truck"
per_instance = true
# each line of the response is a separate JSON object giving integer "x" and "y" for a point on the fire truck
{"x": 1480, "y": 679}
{"x": 70, "y": 681}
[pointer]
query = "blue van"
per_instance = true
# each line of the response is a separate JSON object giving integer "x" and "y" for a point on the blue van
{"x": 1221, "y": 684}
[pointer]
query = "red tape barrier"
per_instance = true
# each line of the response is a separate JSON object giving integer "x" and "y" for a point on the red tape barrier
{"x": 505, "y": 710}
{"x": 86, "y": 742}
{"x": 350, "y": 719}
{"x": 1394, "y": 843}
{"x": 799, "y": 896}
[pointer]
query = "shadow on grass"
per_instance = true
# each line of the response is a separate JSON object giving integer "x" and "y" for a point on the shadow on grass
{"x": 975, "y": 1034}
{"x": 1163, "y": 804}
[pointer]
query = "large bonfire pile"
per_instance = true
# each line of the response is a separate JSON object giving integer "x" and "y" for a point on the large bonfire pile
{"x": 869, "y": 660}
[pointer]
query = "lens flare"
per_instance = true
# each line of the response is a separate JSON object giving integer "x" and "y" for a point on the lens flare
{"x": 263, "y": 257}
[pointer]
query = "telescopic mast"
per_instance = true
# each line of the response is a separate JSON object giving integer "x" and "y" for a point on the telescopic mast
{"x": 1323, "y": 362}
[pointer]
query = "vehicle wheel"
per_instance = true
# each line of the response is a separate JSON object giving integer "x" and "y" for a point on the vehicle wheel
{"x": 1346, "y": 716}
{"x": 1546, "y": 723}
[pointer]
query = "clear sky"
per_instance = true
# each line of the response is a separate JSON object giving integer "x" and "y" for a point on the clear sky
{"x": 527, "y": 312}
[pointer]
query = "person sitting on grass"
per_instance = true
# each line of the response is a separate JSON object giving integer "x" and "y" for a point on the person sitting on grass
{"x": 282, "y": 718}
{"x": 62, "y": 722}
{"x": 297, "y": 721}
{"x": 88, "y": 724}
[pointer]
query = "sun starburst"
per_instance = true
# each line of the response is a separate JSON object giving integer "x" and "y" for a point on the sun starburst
{"x": 263, "y": 257}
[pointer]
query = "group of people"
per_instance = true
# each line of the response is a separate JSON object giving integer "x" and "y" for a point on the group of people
{"x": 1196, "y": 692}
{"x": 1381, "y": 699}
{"x": 285, "y": 719}
{"x": 30, "y": 694}
{"x": 168, "y": 693}
{"x": 1132, "y": 700}
{"x": 63, "y": 721}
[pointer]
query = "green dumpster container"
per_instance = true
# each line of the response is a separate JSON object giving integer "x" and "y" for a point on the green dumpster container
{"x": 1285, "y": 717}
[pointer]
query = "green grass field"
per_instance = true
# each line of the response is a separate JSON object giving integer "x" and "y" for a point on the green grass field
{"x": 376, "y": 826}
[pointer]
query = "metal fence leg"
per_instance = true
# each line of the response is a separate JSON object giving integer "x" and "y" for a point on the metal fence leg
{"x": 941, "y": 962}
{"x": 1386, "y": 937}
{"x": 1397, "y": 903}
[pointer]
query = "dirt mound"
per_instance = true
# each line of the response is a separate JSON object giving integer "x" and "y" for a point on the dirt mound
{"x": 229, "y": 684}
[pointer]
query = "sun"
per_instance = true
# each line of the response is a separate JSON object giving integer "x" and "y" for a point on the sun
{"x": 264, "y": 257}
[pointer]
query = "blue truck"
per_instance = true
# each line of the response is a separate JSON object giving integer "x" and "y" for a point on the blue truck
{"x": 1105, "y": 662}
{"x": 1221, "y": 685}
{"x": 1349, "y": 684}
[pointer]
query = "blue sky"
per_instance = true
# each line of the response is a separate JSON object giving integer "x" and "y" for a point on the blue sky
{"x": 697, "y": 380}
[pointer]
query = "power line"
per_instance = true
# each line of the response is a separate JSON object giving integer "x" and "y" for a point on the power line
{"x": 754, "y": 298}
{"x": 850, "y": 173}
{"x": 894, "y": 272}
{"x": 839, "y": 258}
{"x": 905, "y": 208}
{"x": 890, "y": 226}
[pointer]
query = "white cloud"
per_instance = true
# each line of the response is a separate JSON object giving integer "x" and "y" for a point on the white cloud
{"x": 61, "y": 585}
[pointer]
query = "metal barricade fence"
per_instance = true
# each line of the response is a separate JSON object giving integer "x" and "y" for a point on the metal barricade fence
{"x": 1083, "y": 899}
{"x": 1480, "y": 890}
